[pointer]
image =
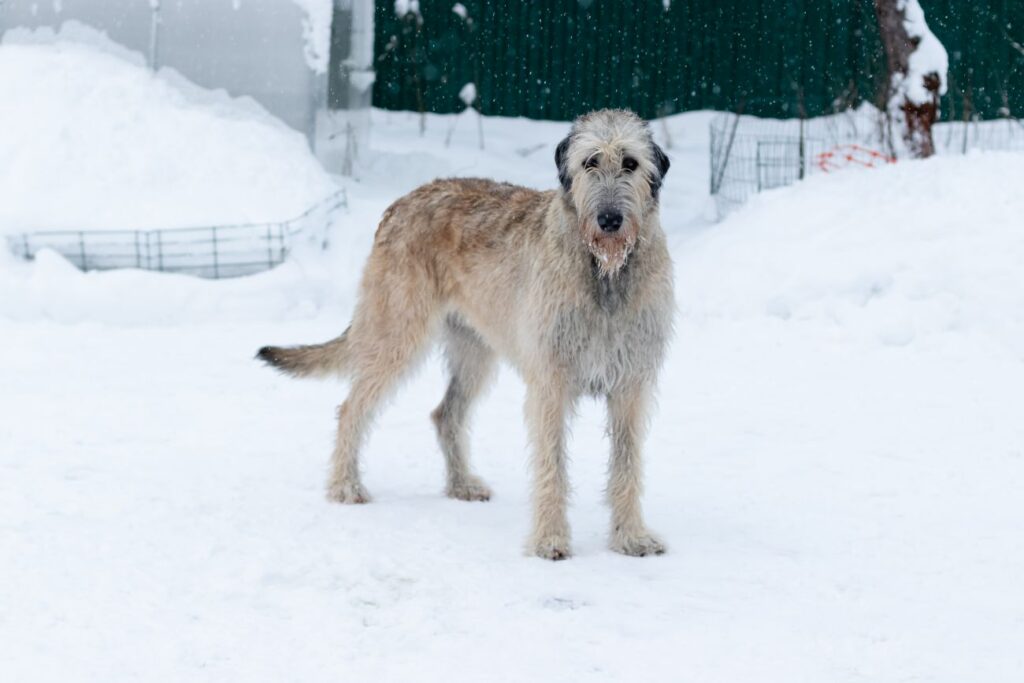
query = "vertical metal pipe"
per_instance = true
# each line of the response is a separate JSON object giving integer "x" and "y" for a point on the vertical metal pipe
{"x": 154, "y": 34}
{"x": 216, "y": 260}
{"x": 270, "y": 246}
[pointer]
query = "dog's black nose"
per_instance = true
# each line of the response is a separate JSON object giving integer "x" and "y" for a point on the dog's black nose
{"x": 610, "y": 221}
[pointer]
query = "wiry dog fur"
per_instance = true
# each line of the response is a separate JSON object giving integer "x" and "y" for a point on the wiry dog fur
{"x": 500, "y": 270}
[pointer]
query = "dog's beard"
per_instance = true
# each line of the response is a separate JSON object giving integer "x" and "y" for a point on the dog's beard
{"x": 611, "y": 252}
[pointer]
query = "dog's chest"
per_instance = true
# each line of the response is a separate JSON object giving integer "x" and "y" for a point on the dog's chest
{"x": 610, "y": 340}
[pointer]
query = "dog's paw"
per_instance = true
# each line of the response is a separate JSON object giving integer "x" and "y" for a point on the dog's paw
{"x": 638, "y": 544}
{"x": 347, "y": 492}
{"x": 470, "y": 488}
{"x": 552, "y": 548}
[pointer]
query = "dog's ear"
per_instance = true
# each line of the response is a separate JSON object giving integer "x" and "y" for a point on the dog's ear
{"x": 563, "y": 171}
{"x": 661, "y": 159}
{"x": 662, "y": 162}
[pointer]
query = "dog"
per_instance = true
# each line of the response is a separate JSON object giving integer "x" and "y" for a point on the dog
{"x": 571, "y": 286}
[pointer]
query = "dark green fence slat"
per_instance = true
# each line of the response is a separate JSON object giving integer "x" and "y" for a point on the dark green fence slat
{"x": 555, "y": 59}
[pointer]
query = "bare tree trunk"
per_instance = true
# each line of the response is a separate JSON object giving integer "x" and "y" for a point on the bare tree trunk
{"x": 915, "y": 84}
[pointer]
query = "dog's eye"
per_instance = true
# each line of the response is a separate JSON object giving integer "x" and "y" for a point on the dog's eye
{"x": 629, "y": 164}
{"x": 591, "y": 162}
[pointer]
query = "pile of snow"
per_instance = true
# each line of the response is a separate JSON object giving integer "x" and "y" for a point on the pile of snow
{"x": 916, "y": 251}
{"x": 93, "y": 140}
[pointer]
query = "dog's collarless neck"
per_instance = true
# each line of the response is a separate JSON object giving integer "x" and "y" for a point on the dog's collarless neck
{"x": 611, "y": 292}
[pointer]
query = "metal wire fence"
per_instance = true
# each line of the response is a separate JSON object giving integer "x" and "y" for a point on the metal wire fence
{"x": 751, "y": 154}
{"x": 218, "y": 251}
{"x": 960, "y": 137}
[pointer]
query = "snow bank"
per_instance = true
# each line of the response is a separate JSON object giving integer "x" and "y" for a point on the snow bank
{"x": 93, "y": 140}
{"x": 905, "y": 253}
{"x": 50, "y": 288}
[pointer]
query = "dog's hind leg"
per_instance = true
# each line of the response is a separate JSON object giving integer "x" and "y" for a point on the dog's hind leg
{"x": 395, "y": 320}
{"x": 471, "y": 364}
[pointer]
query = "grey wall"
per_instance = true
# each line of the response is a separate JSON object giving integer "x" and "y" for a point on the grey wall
{"x": 256, "y": 50}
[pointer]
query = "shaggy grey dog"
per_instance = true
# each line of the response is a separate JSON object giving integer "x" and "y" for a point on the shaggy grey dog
{"x": 572, "y": 286}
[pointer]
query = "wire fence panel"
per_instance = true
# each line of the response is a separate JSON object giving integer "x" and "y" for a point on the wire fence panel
{"x": 751, "y": 154}
{"x": 219, "y": 251}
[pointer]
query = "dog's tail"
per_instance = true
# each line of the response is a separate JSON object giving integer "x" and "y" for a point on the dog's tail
{"x": 315, "y": 360}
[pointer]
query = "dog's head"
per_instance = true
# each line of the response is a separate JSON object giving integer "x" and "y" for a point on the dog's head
{"x": 611, "y": 171}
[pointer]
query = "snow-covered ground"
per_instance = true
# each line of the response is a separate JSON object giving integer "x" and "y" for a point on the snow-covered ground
{"x": 836, "y": 463}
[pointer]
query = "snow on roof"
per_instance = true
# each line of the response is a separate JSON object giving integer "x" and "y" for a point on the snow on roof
{"x": 316, "y": 29}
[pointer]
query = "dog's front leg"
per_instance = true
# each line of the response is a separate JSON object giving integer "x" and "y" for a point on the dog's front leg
{"x": 548, "y": 405}
{"x": 627, "y": 420}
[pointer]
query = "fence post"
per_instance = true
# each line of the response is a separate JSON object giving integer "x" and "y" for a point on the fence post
{"x": 717, "y": 182}
{"x": 713, "y": 156}
{"x": 803, "y": 149}
{"x": 159, "y": 251}
{"x": 270, "y": 245}
{"x": 216, "y": 260}
{"x": 803, "y": 119}
{"x": 81, "y": 248}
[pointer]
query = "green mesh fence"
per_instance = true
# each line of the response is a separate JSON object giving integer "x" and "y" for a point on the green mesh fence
{"x": 554, "y": 59}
